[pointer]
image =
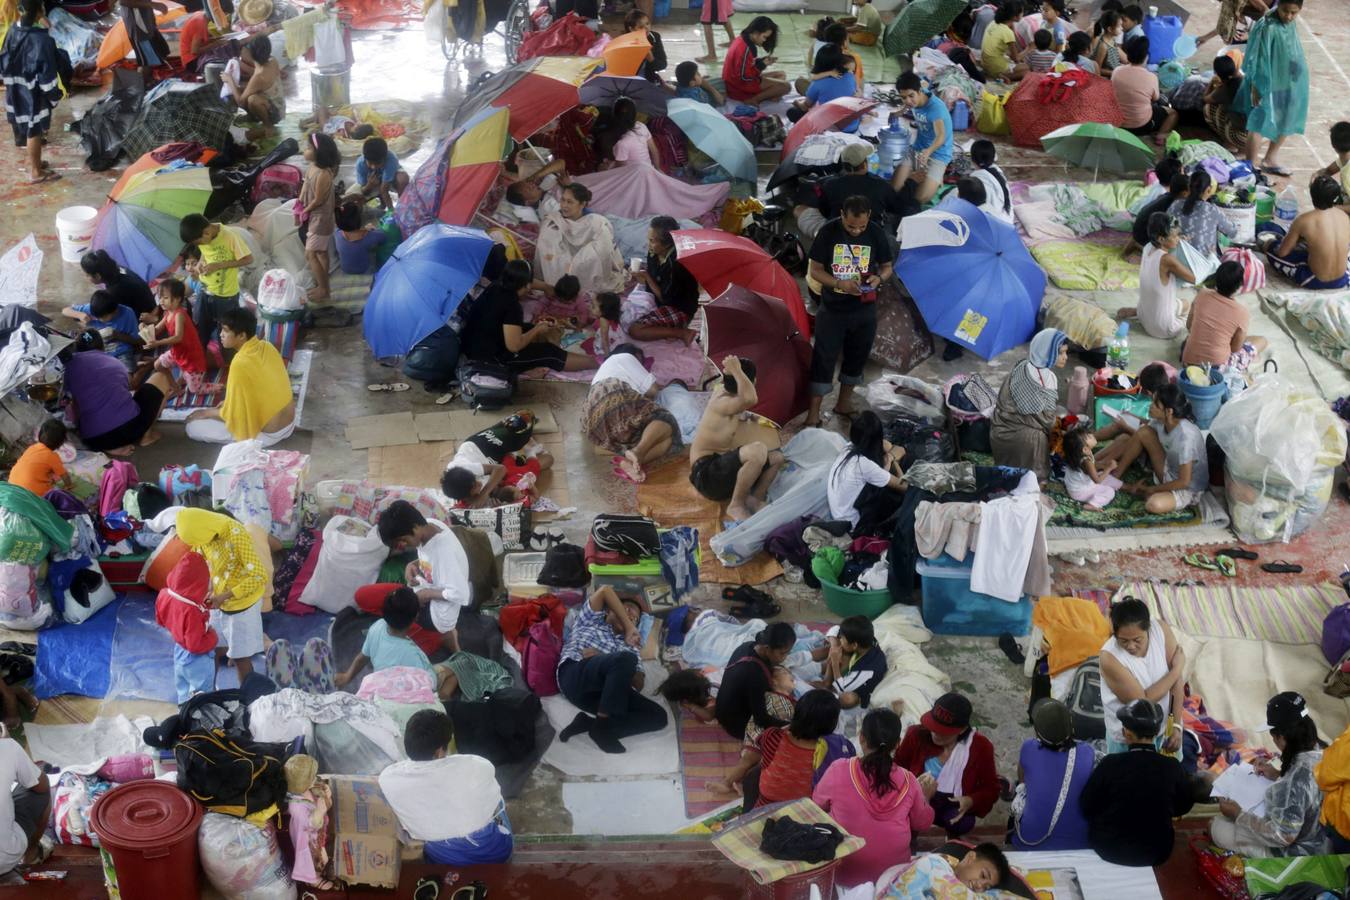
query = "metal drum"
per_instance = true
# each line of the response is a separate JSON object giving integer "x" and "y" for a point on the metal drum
{"x": 331, "y": 88}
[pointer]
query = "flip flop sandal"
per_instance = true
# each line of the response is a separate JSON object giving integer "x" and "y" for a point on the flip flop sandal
{"x": 1200, "y": 561}
{"x": 756, "y": 610}
{"x": 1281, "y": 171}
{"x": 396, "y": 387}
{"x": 624, "y": 475}
{"x": 1226, "y": 565}
{"x": 427, "y": 889}
{"x": 1237, "y": 553}
{"x": 1280, "y": 567}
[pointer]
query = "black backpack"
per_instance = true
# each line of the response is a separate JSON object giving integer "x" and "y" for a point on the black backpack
{"x": 225, "y": 711}
{"x": 231, "y": 775}
{"x": 500, "y": 728}
{"x": 787, "y": 839}
{"x": 631, "y": 536}
{"x": 564, "y": 567}
{"x": 480, "y": 395}
{"x": 1085, "y": 702}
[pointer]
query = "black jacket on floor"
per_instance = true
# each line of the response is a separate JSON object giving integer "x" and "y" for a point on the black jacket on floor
{"x": 1129, "y": 803}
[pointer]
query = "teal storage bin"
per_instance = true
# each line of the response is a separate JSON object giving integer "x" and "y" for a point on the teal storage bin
{"x": 660, "y": 9}
{"x": 1130, "y": 403}
{"x": 951, "y": 607}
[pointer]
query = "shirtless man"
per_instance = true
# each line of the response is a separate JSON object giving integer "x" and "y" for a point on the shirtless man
{"x": 261, "y": 94}
{"x": 720, "y": 470}
{"x": 1316, "y": 251}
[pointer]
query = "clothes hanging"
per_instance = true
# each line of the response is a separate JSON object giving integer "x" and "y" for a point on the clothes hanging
{"x": 1009, "y": 527}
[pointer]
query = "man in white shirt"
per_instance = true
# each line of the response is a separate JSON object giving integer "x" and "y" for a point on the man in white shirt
{"x": 450, "y": 800}
{"x": 440, "y": 575}
{"x": 620, "y": 415}
{"x": 24, "y": 811}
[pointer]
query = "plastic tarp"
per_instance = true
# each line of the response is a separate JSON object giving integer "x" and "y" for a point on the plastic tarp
{"x": 77, "y": 659}
{"x": 141, "y": 664}
{"x": 799, "y": 490}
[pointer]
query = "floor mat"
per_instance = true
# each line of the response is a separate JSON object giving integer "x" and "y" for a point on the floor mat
{"x": 707, "y": 753}
{"x": 634, "y": 807}
{"x": 75, "y": 659}
{"x": 1285, "y": 615}
{"x": 1125, "y": 511}
{"x": 178, "y": 409}
{"x": 1080, "y": 265}
{"x": 654, "y": 753}
{"x": 669, "y": 498}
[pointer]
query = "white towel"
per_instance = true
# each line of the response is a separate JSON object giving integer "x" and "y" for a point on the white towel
{"x": 1008, "y": 528}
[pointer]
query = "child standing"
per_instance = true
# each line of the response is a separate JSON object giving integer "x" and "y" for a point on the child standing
{"x": 181, "y": 609}
{"x": 691, "y": 85}
{"x": 220, "y": 252}
{"x": 119, "y": 323}
{"x": 32, "y": 68}
{"x": 39, "y": 468}
{"x": 1042, "y": 59}
{"x": 316, "y": 211}
{"x": 184, "y": 347}
{"x": 378, "y": 172}
{"x": 1094, "y": 489}
{"x": 138, "y": 17}
{"x": 933, "y": 144}
{"x": 716, "y": 12}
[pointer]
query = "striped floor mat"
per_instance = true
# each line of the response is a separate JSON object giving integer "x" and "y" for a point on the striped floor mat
{"x": 707, "y": 753}
{"x": 1283, "y": 615}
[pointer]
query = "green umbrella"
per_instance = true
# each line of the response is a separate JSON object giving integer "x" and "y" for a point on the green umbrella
{"x": 917, "y": 23}
{"x": 1095, "y": 146}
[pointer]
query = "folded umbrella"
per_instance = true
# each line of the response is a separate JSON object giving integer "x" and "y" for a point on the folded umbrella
{"x": 605, "y": 90}
{"x": 535, "y": 91}
{"x": 1096, "y": 146}
{"x": 971, "y": 277}
{"x": 744, "y": 323}
{"x": 822, "y": 117}
{"x": 717, "y": 260}
{"x": 421, "y": 285}
{"x": 716, "y": 135}
{"x": 138, "y": 226}
{"x": 625, "y": 54}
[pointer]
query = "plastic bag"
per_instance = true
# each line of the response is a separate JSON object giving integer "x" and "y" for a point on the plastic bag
{"x": 21, "y": 541}
{"x": 99, "y": 597}
{"x": 278, "y": 291}
{"x": 892, "y": 396}
{"x": 330, "y": 51}
{"x": 350, "y": 557}
{"x": 243, "y": 861}
{"x": 342, "y": 750}
{"x": 1281, "y": 444}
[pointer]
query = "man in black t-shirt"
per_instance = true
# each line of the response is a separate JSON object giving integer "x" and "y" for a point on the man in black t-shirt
{"x": 850, "y": 258}
{"x": 855, "y": 181}
{"x": 495, "y": 331}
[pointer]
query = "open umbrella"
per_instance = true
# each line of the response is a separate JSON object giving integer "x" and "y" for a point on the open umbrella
{"x": 179, "y": 111}
{"x": 138, "y": 226}
{"x": 625, "y": 54}
{"x": 717, "y": 260}
{"x": 971, "y": 277}
{"x": 605, "y": 90}
{"x": 452, "y": 182}
{"x": 421, "y": 285}
{"x": 716, "y": 135}
{"x": 917, "y": 23}
{"x": 116, "y": 45}
{"x": 824, "y": 116}
{"x": 759, "y": 328}
{"x": 536, "y": 92}
{"x": 1096, "y": 145}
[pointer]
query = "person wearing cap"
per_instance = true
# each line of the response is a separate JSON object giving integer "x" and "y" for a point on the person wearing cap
{"x": 1289, "y": 824}
{"x": 1132, "y": 797}
{"x": 1046, "y": 815}
{"x": 854, "y": 180}
{"x": 1142, "y": 660}
{"x": 953, "y": 760}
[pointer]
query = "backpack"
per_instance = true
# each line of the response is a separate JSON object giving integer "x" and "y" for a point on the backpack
{"x": 224, "y": 711}
{"x": 1336, "y": 633}
{"x": 564, "y": 567}
{"x": 1085, "y": 702}
{"x": 539, "y": 659}
{"x": 280, "y": 182}
{"x": 118, "y": 477}
{"x": 500, "y": 728}
{"x": 231, "y": 775}
{"x": 145, "y": 501}
{"x": 632, "y": 536}
{"x": 485, "y": 385}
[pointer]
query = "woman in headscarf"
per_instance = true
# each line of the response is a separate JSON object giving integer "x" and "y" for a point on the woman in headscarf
{"x": 239, "y": 578}
{"x": 1274, "y": 93}
{"x": 1053, "y": 769}
{"x": 1025, "y": 412}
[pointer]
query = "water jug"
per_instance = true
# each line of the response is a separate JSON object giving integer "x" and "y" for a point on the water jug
{"x": 1162, "y": 33}
{"x": 1079, "y": 389}
{"x": 1118, "y": 354}
{"x": 1286, "y": 207}
{"x": 961, "y": 116}
{"x": 894, "y": 146}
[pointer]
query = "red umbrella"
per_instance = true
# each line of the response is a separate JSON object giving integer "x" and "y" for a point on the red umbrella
{"x": 759, "y": 328}
{"x": 718, "y": 260}
{"x": 822, "y": 117}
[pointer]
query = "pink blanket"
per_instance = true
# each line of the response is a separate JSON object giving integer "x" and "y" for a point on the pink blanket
{"x": 637, "y": 191}
{"x": 670, "y": 361}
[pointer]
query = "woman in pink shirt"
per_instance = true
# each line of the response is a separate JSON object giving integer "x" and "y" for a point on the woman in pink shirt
{"x": 873, "y": 798}
{"x": 1141, "y": 105}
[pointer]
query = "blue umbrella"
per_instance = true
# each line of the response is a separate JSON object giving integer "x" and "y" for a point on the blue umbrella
{"x": 419, "y": 287}
{"x": 971, "y": 277}
{"x": 716, "y": 135}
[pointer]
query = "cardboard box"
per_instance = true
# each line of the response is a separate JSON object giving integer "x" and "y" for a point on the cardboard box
{"x": 365, "y": 833}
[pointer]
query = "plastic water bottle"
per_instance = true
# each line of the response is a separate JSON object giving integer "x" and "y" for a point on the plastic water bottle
{"x": 894, "y": 145}
{"x": 1286, "y": 207}
{"x": 1118, "y": 354}
{"x": 960, "y": 116}
{"x": 1078, "y": 391}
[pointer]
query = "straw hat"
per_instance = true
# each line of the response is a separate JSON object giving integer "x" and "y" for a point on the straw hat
{"x": 255, "y": 12}
{"x": 301, "y": 770}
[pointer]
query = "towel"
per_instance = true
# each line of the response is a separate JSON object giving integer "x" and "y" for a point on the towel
{"x": 257, "y": 389}
{"x": 299, "y": 32}
{"x": 1074, "y": 630}
{"x": 954, "y": 769}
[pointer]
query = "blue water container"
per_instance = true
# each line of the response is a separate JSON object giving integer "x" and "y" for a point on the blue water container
{"x": 1206, "y": 399}
{"x": 660, "y": 9}
{"x": 951, "y": 607}
{"x": 961, "y": 116}
{"x": 894, "y": 146}
{"x": 1162, "y": 33}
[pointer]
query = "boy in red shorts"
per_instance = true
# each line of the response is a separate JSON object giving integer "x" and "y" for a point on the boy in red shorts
{"x": 497, "y": 465}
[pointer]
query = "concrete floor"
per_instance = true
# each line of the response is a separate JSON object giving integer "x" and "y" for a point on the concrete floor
{"x": 403, "y": 64}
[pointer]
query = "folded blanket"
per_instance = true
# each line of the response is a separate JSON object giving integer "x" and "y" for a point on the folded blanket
{"x": 1086, "y": 266}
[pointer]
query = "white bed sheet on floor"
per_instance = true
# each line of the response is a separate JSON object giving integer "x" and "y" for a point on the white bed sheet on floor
{"x": 636, "y": 806}
{"x": 1096, "y": 877}
{"x": 655, "y": 753}
{"x": 76, "y": 745}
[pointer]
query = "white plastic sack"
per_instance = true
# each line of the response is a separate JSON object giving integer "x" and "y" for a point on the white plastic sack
{"x": 100, "y": 597}
{"x": 329, "y": 49}
{"x": 243, "y": 861}
{"x": 22, "y": 605}
{"x": 890, "y": 398}
{"x": 350, "y": 557}
{"x": 278, "y": 291}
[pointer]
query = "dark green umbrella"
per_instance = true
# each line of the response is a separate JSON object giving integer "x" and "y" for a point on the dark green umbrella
{"x": 919, "y": 22}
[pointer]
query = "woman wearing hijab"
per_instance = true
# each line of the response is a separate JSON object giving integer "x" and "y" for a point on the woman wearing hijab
{"x": 1052, "y": 770}
{"x": 953, "y": 762}
{"x": 239, "y": 579}
{"x": 1025, "y": 412}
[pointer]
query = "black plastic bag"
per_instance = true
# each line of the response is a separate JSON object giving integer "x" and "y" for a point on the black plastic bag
{"x": 105, "y": 126}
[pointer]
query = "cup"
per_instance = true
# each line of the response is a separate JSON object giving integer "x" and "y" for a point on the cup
{"x": 637, "y": 263}
{"x": 1153, "y": 12}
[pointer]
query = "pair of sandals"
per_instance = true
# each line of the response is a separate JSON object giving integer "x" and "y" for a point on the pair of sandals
{"x": 1278, "y": 567}
{"x": 430, "y": 889}
{"x": 542, "y": 540}
{"x": 1220, "y": 563}
{"x": 750, "y": 603}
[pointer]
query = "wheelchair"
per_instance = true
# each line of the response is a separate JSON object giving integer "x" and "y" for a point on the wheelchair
{"x": 509, "y": 18}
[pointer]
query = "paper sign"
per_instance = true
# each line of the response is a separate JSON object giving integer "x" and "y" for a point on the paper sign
{"x": 19, "y": 271}
{"x": 972, "y": 324}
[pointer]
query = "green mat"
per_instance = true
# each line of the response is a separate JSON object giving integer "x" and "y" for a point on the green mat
{"x": 1268, "y": 876}
{"x": 794, "y": 43}
{"x": 1125, "y": 511}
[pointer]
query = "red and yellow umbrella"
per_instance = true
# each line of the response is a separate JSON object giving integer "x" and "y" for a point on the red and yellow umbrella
{"x": 476, "y": 153}
{"x": 535, "y": 91}
{"x": 625, "y": 54}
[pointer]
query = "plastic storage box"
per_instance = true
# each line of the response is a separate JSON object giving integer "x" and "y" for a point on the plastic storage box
{"x": 951, "y": 607}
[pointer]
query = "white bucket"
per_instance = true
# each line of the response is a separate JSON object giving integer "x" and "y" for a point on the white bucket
{"x": 75, "y": 227}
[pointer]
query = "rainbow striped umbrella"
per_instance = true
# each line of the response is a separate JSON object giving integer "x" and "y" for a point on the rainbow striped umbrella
{"x": 475, "y": 157}
{"x": 535, "y": 91}
{"x": 139, "y": 224}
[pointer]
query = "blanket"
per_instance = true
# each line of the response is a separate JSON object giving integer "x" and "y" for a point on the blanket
{"x": 1289, "y": 614}
{"x": 635, "y": 191}
{"x": 1125, "y": 511}
{"x": 1086, "y": 266}
{"x": 1326, "y": 315}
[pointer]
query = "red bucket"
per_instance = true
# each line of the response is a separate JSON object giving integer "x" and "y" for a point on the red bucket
{"x": 796, "y": 887}
{"x": 149, "y": 829}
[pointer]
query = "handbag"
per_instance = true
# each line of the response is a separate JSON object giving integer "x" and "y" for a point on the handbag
{"x": 993, "y": 118}
{"x": 510, "y": 522}
{"x": 1019, "y": 804}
